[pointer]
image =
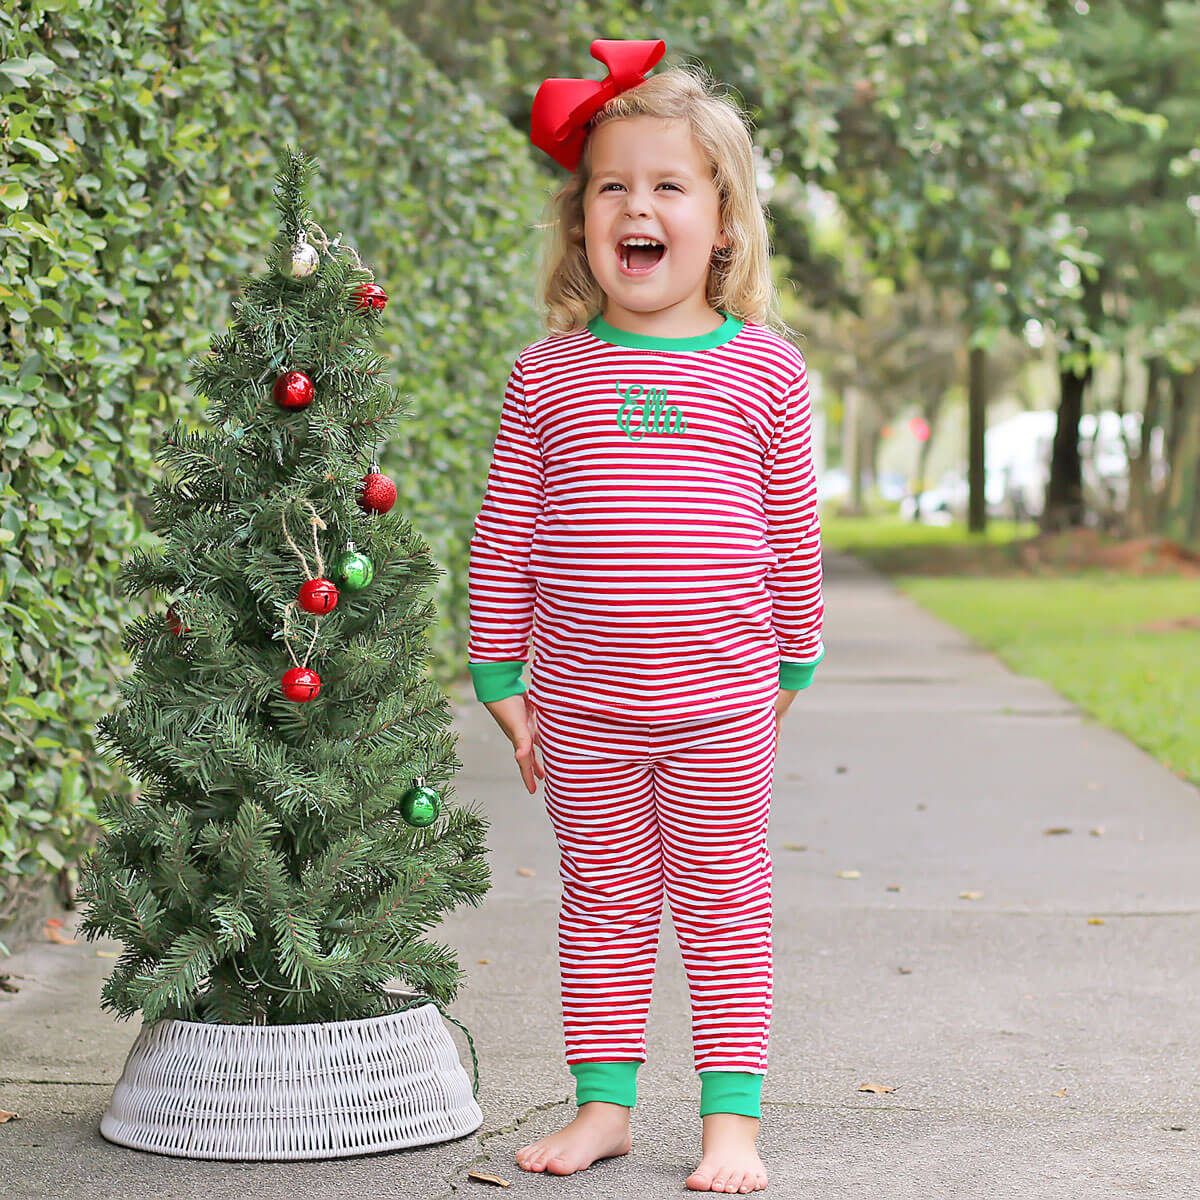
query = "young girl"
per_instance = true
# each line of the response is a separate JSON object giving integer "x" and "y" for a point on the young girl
{"x": 650, "y": 517}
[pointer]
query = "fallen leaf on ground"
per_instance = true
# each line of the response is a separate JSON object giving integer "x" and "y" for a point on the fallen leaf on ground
{"x": 1095, "y": 920}
{"x": 5, "y": 986}
{"x": 7, "y": 1116}
{"x": 54, "y": 933}
{"x": 480, "y": 1175}
{"x": 484, "y": 960}
{"x": 1097, "y": 832}
{"x": 1057, "y": 829}
{"x": 878, "y": 1088}
{"x": 524, "y": 870}
{"x": 106, "y": 954}
{"x": 894, "y": 887}
{"x": 970, "y": 895}
{"x": 849, "y": 874}
{"x": 1060, "y": 1092}
{"x": 794, "y": 846}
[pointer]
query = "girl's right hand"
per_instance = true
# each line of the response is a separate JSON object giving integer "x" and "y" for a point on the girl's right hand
{"x": 517, "y": 717}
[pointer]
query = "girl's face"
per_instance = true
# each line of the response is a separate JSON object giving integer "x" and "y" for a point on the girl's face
{"x": 649, "y": 177}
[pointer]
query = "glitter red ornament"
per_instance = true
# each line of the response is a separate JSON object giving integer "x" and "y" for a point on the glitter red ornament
{"x": 301, "y": 684}
{"x": 378, "y": 493}
{"x": 371, "y": 295}
{"x": 318, "y": 596}
{"x": 293, "y": 389}
{"x": 174, "y": 624}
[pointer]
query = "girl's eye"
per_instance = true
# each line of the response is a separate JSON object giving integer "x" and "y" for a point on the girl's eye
{"x": 606, "y": 186}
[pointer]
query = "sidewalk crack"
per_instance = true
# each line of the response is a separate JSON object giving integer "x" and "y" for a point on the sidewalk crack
{"x": 483, "y": 1155}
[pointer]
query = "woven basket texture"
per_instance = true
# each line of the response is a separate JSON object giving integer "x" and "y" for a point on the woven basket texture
{"x": 266, "y": 1092}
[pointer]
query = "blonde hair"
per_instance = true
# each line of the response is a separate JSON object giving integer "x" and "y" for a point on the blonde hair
{"x": 739, "y": 277}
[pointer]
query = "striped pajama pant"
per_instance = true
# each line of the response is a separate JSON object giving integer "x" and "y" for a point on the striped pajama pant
{"x": 639, "y": 809}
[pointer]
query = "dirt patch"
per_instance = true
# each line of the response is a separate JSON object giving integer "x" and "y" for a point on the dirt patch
{"x": 1171, "y": 625}
{"x": 1081, "y": 549}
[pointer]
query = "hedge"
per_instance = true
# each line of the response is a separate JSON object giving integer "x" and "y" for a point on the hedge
{"x": 142, "y": 146}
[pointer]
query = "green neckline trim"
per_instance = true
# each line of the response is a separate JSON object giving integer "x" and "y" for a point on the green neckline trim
{"x": 599, "y": 328}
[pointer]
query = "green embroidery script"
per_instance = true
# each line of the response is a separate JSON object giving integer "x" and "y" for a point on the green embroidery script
{"x": 642, "y": 412}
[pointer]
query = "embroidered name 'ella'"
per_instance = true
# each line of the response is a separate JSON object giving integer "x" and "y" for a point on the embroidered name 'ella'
{"x": 642, "y": 411}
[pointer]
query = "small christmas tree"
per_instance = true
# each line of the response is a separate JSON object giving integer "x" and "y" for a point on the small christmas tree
{"x": 290, "y": 848}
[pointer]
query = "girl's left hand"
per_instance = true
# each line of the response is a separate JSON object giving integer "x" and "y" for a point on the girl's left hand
{"x": 782, "y": 704}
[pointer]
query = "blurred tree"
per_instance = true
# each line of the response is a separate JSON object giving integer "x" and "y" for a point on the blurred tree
{"x": 1141, "y": 276}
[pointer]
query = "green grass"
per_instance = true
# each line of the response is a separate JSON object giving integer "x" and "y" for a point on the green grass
{"x": 895, "y": 545}
{"x": 1084, "y": 637}
{"x": 893, "y": 532}
{"x": 1081, "y": 631}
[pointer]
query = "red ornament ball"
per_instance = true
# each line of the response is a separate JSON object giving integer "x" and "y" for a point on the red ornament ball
{"x": 174, "y": 624}
{"x": 318, "y": 596}
{"x": 371, "y": 295}
{"x": 378, "y": 493}
{"x": 301, "y": 684}
{"x": 293, "y": 389}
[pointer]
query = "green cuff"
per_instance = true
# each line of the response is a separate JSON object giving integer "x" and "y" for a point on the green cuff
{"x": 496, "y": 680}
{"x": 730, "y": 1092}
{"x": 613, "y": 1082}
{"x": 794, "y": 676}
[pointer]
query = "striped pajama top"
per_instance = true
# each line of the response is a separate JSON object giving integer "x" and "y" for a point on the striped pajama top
{"x": 650, "y": 518}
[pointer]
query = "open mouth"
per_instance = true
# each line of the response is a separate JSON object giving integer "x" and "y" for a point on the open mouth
{"x": 641, "y": 257}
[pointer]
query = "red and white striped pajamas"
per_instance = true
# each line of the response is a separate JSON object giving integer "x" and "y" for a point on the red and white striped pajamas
{"x": 650, "y": 518}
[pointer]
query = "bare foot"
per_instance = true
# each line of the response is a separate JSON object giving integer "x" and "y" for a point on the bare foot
{"x": 599, "y": 1130}
{"x": 730, "y": 1161}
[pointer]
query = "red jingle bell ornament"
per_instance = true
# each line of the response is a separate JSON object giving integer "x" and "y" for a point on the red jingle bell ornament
{"x": 371, "y": 295}
{"x": 293, "y": 389}
{"x": 301, "y": 684}
{"x": 378, "y": 492}
{"x": 318, "y": 596}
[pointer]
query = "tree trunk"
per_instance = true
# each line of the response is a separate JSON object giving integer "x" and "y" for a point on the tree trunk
{"x": 1138, "y": 516}
{"x": 976, "y": 427}
{"x": 873, "y": 439}
{"x": 1183, "y": 449}
{"x": 1064, "y": 507}
{"x": 851, "y": 458}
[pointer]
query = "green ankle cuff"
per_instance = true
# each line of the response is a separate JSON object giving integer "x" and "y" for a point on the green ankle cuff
{"x": 730, "y": 1092}
{"x": 614, "y": 1082}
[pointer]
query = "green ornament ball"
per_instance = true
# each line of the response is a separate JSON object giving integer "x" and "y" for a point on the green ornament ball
{"x": 420, "y": 806}
{"x": 356, "y": 570}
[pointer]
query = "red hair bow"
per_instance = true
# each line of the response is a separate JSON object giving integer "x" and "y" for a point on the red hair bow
{"x": 563, "y": 107}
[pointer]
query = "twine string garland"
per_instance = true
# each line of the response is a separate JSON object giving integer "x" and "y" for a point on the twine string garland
{"x": 314, "y": 523}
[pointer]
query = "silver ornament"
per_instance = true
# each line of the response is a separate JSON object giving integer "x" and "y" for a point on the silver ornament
{"x": 303, "y": 261}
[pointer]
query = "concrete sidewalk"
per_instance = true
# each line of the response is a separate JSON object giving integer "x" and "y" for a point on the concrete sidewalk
{"x": 1030, "y": 1052}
